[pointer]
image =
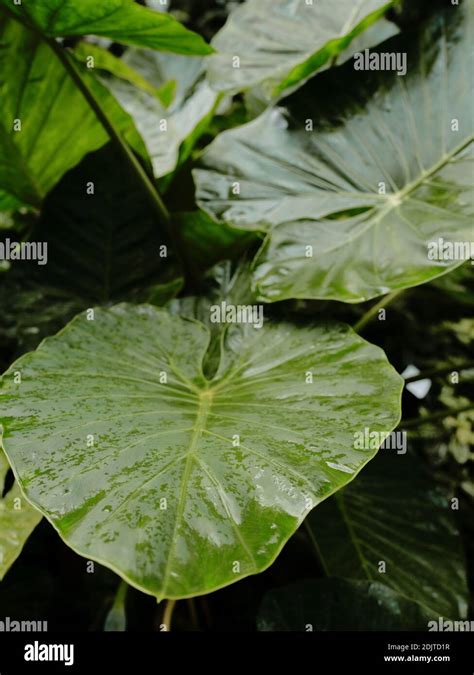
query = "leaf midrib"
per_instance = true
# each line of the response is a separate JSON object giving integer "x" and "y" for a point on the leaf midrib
{"x": 445, "y": 159}
{"x": 394, "y": 200}
{"x": 109, "y": 127}
{"x": 204, "y": 406}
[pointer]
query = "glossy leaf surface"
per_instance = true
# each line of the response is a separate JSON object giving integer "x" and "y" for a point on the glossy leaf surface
{"x": 169, "y": 132}
{"x": 281, "y": 43}
{"x": 180, "y": 484}
{"x": 42, "y": 114}
{"x": 358, "y": 174}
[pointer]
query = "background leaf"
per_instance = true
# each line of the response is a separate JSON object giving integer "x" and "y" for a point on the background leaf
{"x": 18, "y": 519}
{"x": 170, "y": 132}
{"x": 321, "y": 188}
{"x": 393, "y": 513}
{"x": 104, "y": 246}
{"x": 121, "y": 20}
{"x": 36, "y": 90}
{"x": 281, "y": 43}
{"x": 212, "y": 242}
{"x": 338, "y": 605}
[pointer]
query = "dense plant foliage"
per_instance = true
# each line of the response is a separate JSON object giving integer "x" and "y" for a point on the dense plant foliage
{"x": 235, "y": 269}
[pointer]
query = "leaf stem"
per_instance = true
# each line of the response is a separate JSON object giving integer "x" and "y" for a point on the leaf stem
{"x": 316, "y": 549}
{"x": 122, "y": 146}
{"x": 116, "y": 618}
{"x": 168, "y": 613}
{"x": 152, "y": 192}
{"x": 193, "y": 613}
{"x": 369, "y": 315}
{"x": 440, "y": 371}
{"x": 436, "y": 416}
{"x": 157, "y": 203}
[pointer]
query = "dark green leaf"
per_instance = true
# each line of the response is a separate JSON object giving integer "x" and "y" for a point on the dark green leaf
{"x": 211, "y": 242}
{"x": 393, "y": 514}
{"x": 104, "y": 243}
{"x": 338, "y": 605}
{"x": 102, "y": 247}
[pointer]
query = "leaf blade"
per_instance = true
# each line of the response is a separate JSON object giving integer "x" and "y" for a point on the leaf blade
{"x": 281, "y": 43}
{"x": 34, "y": 93}
{"x": 18, "y": 519}
{"x": 352, "y": 208}
{"x": 175, "y": 440}
{"x": 393, "y": 513}
{"x": 338, "y": 605}
{"x": 120, "y": 20}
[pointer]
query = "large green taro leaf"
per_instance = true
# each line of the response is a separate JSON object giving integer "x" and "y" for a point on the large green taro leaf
{"x": 179, "y": 484}
{"x": 338, "y": 605}
{"x": 394, "y": 514}
{"x": 281, "y": 43}
{"x": 18, "y": 519}
{"x": 46, "y": 125}
{"x": 373, "y": 132}
{"x": 120, "y": 20}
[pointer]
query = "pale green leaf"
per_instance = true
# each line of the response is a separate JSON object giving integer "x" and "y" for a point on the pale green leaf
{"x": 180, "y": 484}
{"x": 169, "y": 131}
{"x": 18, "y": 519}
{"x": 358, "y": 174}
{"x": 281, "y": 43}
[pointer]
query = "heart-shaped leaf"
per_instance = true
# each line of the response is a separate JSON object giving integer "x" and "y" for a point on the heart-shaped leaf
{"x": 18, "y": 519}
{"x": 120, "y": 20}
{"x": 394, "y": 153}
{"x": 281, "y": 43}
{"x": 392, "y": 526}
{"x": 180, "y": 484}
{"x": 338, "y": 605}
